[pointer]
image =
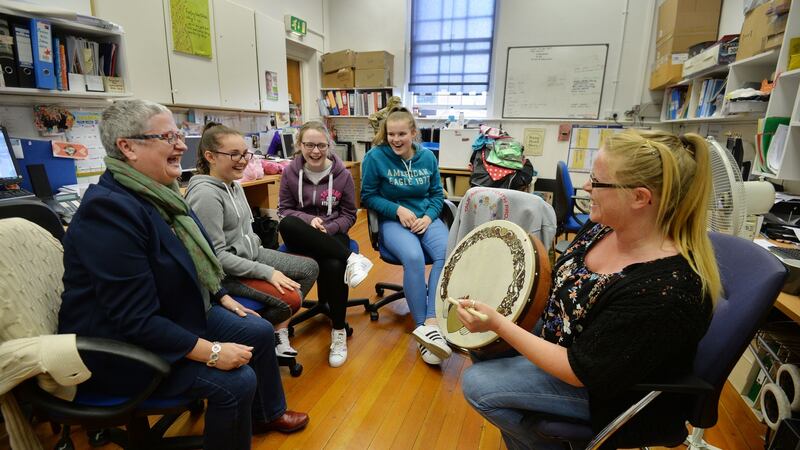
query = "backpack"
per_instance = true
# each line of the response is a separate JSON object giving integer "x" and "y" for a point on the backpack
{"x": 506, "y": 153}
{"x": 516, "y": 180}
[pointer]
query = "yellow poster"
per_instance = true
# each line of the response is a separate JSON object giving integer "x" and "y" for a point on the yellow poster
{"x": 191, "y": 27}
{"x": 578, "y": 159}
{"x": 583, "y": 138}
{"x": 534, "y": 141}
{"x": 606, "y": 133}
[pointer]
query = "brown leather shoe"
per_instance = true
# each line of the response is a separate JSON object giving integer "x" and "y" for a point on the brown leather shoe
{"x": 289, "y": 422}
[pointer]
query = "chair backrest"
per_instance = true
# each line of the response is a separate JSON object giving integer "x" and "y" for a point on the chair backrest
{"x": 562, "y": 194}
{"x": 35, "y": 211}
{"x": 483, "y": 204}
{"x": 752, "y": 279}
{"x": 30, "y": 273}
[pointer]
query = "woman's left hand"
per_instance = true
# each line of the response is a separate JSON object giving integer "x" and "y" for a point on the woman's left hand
{"x": 317, "y": 223}
{"x": 232, "y": 305}
{"x": 474, "y": 324}
{"x": 420, "y": 225}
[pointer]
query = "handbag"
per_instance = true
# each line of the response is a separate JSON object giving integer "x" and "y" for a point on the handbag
{"x": 266, "y": 228}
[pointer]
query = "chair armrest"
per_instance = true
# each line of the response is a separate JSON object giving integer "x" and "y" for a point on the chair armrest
{"x": 689, "y": 384}
{"x": 576, "y": 201}
{"x": 58, "y": 407}
{"x": 448, "y": 214}
{"x": 373, "y": 227}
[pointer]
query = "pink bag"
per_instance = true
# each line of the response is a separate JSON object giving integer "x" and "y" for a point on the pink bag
{"x": 253, "y": 171}
{"x": 271, "y": 167}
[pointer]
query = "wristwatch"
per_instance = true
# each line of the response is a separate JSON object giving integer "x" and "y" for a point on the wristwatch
{"x": 216, "y": 347}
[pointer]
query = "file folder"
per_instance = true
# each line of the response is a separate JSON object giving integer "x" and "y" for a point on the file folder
{"x": 8, "y": 65}
{"x": 42, "y": 43}
{"x": 24, "y": 54}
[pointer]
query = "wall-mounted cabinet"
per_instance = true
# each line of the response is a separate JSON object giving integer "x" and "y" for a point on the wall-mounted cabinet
{"x": 231, "y": 78}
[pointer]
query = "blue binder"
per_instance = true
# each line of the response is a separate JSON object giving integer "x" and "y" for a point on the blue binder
{"x": 60, "y": 171}
{"x": 42, "y": 43}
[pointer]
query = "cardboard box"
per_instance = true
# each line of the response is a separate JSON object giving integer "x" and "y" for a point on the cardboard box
{"x": 333, "y": 61}
{"x": 374, "y": 60}
{"x": 373, "y": 77}
{"x": 688, "y": 17}
{"x": 719, "y": 54}
{"x": 754, "y": 32}
{"x": 341, "y": 79}
{"x": 668, "y": 66}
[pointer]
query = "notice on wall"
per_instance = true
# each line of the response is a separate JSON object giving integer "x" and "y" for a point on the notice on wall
{"x": 272, "y": 85}
{"x": 585, "y": 142}
{"x": 191, "y": 27}
{"x": 86, "y": 131}
{"x": 534, "y": 141}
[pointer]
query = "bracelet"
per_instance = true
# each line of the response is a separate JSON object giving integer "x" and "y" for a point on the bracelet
{"x": 216, "y": 347}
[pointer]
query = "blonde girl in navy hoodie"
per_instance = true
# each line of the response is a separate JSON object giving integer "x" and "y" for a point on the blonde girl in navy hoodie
{"x": 317, "y": 206}
{"x": 400, "y": 181}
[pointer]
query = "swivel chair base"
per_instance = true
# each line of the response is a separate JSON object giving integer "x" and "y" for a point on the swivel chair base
{"x": 380, "y": 288}
{"x": 315, "y": 307}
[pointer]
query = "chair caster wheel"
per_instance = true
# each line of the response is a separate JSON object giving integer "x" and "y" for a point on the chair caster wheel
{"x": 64, "y": 444}
{"x": 296, "y": 370}
{"x": 373, "y": 316}
{"x": 379, "y": 291}
{"x": 98, "y": 438}
{"x": 291, "y": 331}
{"x": 349, "y": 330}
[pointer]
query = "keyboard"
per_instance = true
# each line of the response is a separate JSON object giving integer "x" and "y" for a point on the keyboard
{"x": 14, "y": 193}
{"x": 786, "y": 252}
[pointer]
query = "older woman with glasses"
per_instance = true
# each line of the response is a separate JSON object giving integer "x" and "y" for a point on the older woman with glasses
{"x": 317, "y": 202}
{"x": 139, "y": 268}
{"x": 630, "y": 300}
{"x": 279, "y": 280}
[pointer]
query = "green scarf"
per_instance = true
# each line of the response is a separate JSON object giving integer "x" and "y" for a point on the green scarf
{"x": 175, "y": 211}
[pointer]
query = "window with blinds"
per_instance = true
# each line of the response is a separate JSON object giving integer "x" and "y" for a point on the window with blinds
{"x": 451, "y": 54}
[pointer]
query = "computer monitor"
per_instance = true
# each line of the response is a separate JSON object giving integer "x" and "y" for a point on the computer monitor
{"x": 9, "y": 168}
{"x": 189, "y": 158}
{"x": 287, "y": 143}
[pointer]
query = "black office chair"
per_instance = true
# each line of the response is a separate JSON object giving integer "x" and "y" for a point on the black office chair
{"x": 448, "y": 215}
{"x": 752, "y": 279}
{"x": 34, "y": 211}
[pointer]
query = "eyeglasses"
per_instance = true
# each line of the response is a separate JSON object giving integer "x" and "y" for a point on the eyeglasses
{"x": 236, "y": 157}
{"x": 170, "y": 137}
{"x": 310, "y": 146}
{"x": 597, "y": 184}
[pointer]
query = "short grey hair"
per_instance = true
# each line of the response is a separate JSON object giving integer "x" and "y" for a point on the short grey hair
{"x": 126, "y": 118}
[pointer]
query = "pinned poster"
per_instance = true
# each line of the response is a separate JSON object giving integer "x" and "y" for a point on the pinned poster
{"x": 191, "y": 27}
{"x": 585, "y": 141}
{"x": 534, "y": 141}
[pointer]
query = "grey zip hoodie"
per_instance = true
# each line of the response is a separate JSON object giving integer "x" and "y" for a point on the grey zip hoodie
{"x": 226, "y": 216}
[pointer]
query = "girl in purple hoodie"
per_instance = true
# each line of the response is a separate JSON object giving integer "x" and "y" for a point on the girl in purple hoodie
{"x": 317, "y": 203}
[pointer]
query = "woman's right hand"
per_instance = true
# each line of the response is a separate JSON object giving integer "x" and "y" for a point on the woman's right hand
{"x": 407, "y": 218}
{"x": 317, "y": 223}
{"x": 281, "y": 282}
{"x": 233, "y": 355}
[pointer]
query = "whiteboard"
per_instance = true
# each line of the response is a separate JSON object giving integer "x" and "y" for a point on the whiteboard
{"x": 555, "y": 82}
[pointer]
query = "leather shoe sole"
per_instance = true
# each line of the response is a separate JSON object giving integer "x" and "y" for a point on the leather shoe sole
{"x": 289, "y": 422}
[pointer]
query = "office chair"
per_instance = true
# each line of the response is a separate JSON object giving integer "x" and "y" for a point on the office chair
{"x": 42, "y": 254}
{"x": 567, "y": 220}
{"x": 448, "y": 215}
{"x": 35, "y": 211}
{"x": 752, "y": 279}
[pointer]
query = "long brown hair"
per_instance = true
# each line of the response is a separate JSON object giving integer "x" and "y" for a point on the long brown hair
{"x": 398, "y": 113}
{"x": 209, "y": 142}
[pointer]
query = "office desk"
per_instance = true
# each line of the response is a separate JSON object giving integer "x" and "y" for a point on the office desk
{"x": 263, "y": 193}
{"x": 458, "y": 180}
{"x": 789, "y": 305}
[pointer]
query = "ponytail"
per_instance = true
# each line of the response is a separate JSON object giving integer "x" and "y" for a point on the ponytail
{"x": 396, "y": 113}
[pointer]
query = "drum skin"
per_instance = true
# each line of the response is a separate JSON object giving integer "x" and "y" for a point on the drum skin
{"x": 499, "y": 264}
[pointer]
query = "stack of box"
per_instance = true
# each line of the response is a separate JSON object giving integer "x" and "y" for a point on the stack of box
{"x": 681, "y": 24}
{"x": 763, "y": 28}
{"x": 338, "y": 69}
{"x": 374, "y": 69}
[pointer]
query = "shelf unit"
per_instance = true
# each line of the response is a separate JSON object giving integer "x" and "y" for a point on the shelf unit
{"x": 63, "y": 27}
{"x": 784, "y": 102}
{"x": 737, "y": 74}
{"x": 368, "y": 104}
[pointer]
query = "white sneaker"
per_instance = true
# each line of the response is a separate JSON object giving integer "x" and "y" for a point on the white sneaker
{"x": 338, "y": 354}
{"x": 430, "y": 337}
{"x": 358, "y": 266}
{"x": 427, "y": 356}
{"x": 282, "y": 346}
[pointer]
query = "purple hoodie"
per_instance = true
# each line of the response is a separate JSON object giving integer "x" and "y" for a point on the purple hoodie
{"x": 338, "y": 215}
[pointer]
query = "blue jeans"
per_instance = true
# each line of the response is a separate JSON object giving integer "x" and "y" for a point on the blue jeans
{"x": 410, "y": 249}
{"x": 236, "y": 397}
{"x": 508, "y": 390}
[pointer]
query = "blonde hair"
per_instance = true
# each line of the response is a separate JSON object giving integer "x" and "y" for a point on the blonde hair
{"x": 209, "y": 142}
{"x": 395, "y": 114}
{"x": 677, "y": 171}
{"x": 311, "y": 125}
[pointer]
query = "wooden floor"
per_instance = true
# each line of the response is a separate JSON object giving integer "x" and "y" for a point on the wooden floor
{"x": 386, "y": 397}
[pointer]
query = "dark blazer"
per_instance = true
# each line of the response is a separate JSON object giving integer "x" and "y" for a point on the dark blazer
{"x": 128, "y": 277}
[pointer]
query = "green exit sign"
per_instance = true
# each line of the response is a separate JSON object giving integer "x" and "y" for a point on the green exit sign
{"x": 296, "y": 25}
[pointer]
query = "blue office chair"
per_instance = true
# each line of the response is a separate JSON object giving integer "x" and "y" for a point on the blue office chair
{"x": 752, "y": 279}
{"x": 448, "y": 215}
{"x": 567, "y": 219}
{"x": 96, "y": 412}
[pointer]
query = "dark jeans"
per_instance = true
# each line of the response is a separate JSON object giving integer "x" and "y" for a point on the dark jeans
{"x": 331, "y": 253}
{"x": 236, "y": 397}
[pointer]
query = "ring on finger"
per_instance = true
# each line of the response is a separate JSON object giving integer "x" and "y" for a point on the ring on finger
{"x": 473, "y": 304}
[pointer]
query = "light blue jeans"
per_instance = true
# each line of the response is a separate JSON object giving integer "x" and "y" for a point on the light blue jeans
{"x": 506, "y": 391}
{"x": 410, "y": 249}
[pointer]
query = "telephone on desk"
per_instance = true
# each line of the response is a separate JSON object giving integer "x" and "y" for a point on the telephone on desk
{"x": 782, "y": 220}
{"x": 65, "y": 205}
